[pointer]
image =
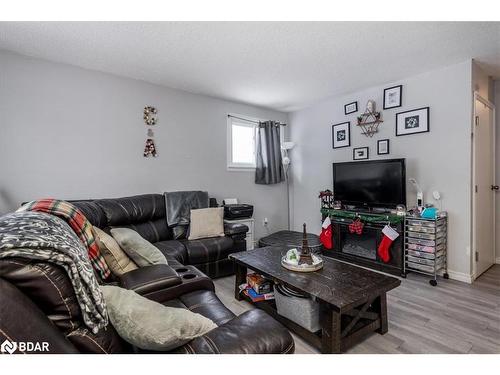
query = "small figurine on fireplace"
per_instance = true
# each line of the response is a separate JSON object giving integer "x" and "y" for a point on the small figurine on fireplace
{"x": 326, "y": 199}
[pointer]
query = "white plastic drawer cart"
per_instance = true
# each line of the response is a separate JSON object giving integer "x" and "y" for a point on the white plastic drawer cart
{"x": 426, "y": 246}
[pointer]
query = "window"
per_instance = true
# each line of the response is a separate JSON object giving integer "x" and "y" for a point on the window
{"x": 241, "y": 141}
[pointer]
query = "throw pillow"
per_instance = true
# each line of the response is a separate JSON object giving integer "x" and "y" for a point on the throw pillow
{"x": 118, "y": 262}
{"x": 206, "y": 222}
{"x": 149, "y": 325}
{"x": 142, "y": 252}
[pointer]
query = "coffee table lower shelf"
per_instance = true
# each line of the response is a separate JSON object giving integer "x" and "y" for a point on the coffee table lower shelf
{"x": 355, "y": 325}
{"x": 352, "y": 300}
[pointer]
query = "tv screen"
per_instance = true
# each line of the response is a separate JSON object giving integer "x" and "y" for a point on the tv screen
{"x": 375, "y": 183}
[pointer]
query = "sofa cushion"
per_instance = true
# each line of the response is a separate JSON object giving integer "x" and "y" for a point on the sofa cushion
{"x": 173, "y": 250}
{"x": 153, "y": 231}
{"x": 206, "y": 222}
{"x": 208, "y": 249}
{"x": 252, "y": 332}
{"x": 136, "y": 209}
{"x": 203, "y": 302}
{"x": 150, "y": 325}
{"x": 142, "y": 252}
{"x": 118, "y": 261}
{"x": 92, "y": 212}
{"x": 143, "y": 213}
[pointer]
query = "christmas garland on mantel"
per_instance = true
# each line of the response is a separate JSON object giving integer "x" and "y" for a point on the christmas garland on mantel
{"x": 368, "y": 218}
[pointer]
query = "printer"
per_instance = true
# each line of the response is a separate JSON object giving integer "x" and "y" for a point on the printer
{"x": 234, "y": 210}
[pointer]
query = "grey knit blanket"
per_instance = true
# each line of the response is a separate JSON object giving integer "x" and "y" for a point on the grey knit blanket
{"x": 40, "y": 236}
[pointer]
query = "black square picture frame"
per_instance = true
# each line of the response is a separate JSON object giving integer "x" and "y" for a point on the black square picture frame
{"x": 383, "y": 147}
{"x": 393, "y": 97}
{"x": 360, "y": 153}
{"x": 413, "y": 122}
{"x": 341, "y": 135}
{"x": 351, "y": 108}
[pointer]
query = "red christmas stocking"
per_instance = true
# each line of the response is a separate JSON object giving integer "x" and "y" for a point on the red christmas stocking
{"x": 389, "y": 235}
{"x": 326, "y": 237}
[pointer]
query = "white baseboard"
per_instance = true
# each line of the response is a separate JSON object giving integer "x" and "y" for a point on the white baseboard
{"x": 459, "y": 276}
{"x": 497, "y": 261}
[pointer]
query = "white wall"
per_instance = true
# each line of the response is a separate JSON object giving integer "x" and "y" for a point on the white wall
{"x": 439, "y": 160}
{"x": 72, "y": 133}
{"x": 497, "y": 203}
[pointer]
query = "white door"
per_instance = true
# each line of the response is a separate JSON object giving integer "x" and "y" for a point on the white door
{"x": 483, "y": 202}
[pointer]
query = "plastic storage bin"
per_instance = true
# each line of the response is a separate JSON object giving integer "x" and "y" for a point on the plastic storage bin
{"x": 425, "y": 246}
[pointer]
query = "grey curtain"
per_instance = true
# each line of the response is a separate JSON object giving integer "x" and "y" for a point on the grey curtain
{"x": 269, "y": 168}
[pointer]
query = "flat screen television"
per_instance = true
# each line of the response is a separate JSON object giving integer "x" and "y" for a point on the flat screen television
{"x": 373, "y": 183}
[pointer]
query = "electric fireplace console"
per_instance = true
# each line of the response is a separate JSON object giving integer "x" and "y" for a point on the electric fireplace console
{"x": 361, "y": 247}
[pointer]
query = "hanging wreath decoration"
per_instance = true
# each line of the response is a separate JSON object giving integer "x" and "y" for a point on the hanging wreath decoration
{"x": 149, "y": 117}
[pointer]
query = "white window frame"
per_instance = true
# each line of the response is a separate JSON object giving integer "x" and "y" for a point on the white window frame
{"x": 252, "y": 122}
{"x": 230, "y": 120}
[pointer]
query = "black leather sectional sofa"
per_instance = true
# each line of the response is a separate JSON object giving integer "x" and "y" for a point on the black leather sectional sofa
{"x": 38, "y": 303}
{"x": 146, "y": 214}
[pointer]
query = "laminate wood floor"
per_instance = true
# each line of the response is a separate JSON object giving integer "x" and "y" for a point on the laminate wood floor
{"x": 453, "y": 317}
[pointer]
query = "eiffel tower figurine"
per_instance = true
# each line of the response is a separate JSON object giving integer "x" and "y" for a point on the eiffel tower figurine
{"x": 305, "y": 253}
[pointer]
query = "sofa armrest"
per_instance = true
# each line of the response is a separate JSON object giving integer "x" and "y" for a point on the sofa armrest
{"x": 22, "y": 320}
{"x": 192, "y": 279}
{"x": 150, "y": 279}
{"x": 252, "y": 332}
{"x": 235, "y": 230}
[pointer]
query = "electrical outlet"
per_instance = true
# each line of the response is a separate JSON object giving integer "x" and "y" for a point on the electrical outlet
{"x": 265, "y": 222}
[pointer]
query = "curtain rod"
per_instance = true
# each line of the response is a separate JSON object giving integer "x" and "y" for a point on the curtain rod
{"x": 255, "y": 122}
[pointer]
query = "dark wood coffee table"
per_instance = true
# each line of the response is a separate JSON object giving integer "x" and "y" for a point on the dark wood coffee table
{"x": 352, "y": 299}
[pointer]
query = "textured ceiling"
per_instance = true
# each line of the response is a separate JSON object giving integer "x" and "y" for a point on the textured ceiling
{"x": 280, "y": 65}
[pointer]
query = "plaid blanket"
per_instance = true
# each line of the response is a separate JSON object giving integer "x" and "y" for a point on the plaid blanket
{"x": 40, "y": 236}
{"x": 80, "y": 225}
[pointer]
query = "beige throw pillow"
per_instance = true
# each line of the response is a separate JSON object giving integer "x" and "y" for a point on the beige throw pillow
{"x": 206, "y": 222}
{"x": 118, "y": 262}
{"x": 149, "y": 325}
{"x": 142, "y": 252}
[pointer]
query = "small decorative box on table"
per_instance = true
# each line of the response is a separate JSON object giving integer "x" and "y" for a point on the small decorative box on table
{"x": 426, "y": 245}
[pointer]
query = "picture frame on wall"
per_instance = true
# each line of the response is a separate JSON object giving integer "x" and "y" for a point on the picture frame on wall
{"x": 393, "y": 97}
{"x": 360, "y": 153}
{"x": 351, "y": 108}
{"x": 383, "y": 147}
{"x": 341, "y": 135}
{"x": 413, "y": 122}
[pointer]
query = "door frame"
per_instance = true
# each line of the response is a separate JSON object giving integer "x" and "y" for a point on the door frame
{"x": 486, "y": 102}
